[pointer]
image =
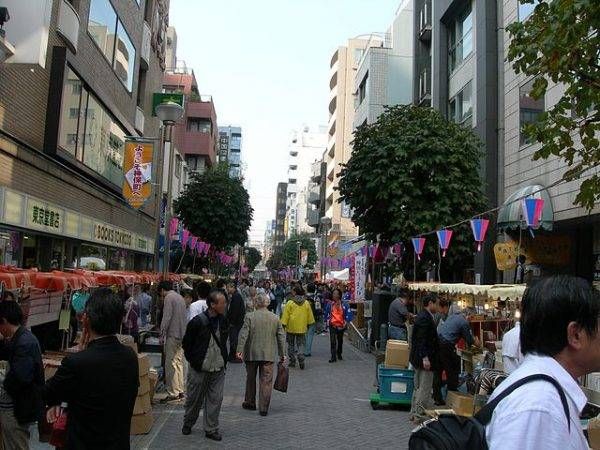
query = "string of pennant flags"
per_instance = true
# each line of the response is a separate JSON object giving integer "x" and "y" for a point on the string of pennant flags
{"x": 196, "y": 245}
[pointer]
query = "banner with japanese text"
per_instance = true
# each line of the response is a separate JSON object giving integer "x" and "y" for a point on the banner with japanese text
{"x": 137, "y": 168}
{"x": 360, "y": 277}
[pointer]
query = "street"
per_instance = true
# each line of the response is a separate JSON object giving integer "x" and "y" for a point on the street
{"x": 326, "y": 407}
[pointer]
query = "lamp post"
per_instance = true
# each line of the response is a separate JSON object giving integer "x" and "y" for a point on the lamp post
{"x": 325, "y": 224}
{"x": 168, "y": 113}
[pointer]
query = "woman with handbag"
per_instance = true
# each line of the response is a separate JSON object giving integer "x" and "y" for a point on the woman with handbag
{"x": 337, "y": 317}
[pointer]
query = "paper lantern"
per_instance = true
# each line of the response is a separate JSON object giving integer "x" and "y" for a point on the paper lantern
{"x": 479, "y": 227}
{"x": 419, "y": 245}
{"x": 444, "y": 237}
{"x": 532, "y": 211}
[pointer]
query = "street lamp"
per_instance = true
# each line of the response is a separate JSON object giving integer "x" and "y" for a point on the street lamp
{"x": 168, "y": 113}
{"x": 325, "y": 224}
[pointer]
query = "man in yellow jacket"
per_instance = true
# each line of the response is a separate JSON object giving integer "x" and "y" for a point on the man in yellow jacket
{"x": 296, "y": 318}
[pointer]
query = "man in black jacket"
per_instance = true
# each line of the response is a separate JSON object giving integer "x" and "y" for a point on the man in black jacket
{"x": 21, "y": 392}
{"x": 100, "y": 383}
{"x": 424, "y": 357}
{"x": 204, "y": 345}
{"x": 236, "y": 311}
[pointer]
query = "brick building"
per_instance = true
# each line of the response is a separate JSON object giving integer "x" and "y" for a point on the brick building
{"x": 80, "y": 81}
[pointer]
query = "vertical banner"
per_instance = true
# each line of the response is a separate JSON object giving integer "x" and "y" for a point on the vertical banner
{"x": 303, "y": 257}
{"x": 360, "y": 273}
{"x": 137, "y": 168}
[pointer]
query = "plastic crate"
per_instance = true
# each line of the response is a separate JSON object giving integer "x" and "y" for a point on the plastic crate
{"x": 395, "y": 385}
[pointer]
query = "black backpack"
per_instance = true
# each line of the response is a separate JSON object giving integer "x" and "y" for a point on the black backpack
{"x": 450, "y": 432}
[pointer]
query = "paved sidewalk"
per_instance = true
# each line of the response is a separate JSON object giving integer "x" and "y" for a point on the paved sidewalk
{"x": 326, "y": 406}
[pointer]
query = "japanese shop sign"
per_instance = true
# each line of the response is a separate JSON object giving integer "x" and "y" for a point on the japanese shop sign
{"x": 44, "y": 216}
{"x": 137, "y": 165}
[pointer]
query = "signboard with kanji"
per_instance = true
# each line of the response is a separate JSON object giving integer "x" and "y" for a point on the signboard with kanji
{"x": 44, "y": 216}
{"x": 137, "y": 166}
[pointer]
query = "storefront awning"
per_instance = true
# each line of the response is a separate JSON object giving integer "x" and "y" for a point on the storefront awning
{"x": 510, "y": 215}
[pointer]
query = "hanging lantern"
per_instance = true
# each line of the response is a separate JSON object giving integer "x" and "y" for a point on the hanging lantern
{"x": 479, "y": 227}
{"x": 419, "y": 245}
{"x": 444, "y": 237}
{"x": 532, "y": 212}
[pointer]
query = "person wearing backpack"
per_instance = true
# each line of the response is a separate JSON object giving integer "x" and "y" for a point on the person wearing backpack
{"x": 424, "y": 357}
{"x": 560, "y": 338}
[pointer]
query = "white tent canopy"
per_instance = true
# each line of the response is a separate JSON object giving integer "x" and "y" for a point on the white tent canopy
{"x": 340, "y": 275}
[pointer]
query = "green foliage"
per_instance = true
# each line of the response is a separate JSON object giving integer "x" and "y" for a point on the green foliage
{"x": 252, "y": 258}
{"x": 559, "y": 41}
{"x": 412, "y": 172}
{"x": 288, "y": 254}
{"x": 216, "y": 208}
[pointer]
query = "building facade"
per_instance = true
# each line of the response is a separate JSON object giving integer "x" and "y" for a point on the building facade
{"x": 80, "y": 81}
{"x": 230, "y": 149}
{"x": 307, "y": 147}
{"x": 279, "y": 235}
{"x": 385, "y": 72}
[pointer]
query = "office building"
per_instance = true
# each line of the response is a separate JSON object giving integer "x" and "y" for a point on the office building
{"x": 385, "y": 72}
{"x": 230, "y": 149}
{"x": 80, "y": 79}
{"x": 268, "y": 240}
{"x": 279, "y": 235}
{"x": 306, "y": 147}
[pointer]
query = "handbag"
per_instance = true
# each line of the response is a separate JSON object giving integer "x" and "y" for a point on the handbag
{"x": 283, "y": 375}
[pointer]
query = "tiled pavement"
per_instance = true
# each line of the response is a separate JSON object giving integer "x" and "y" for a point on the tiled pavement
{"x": 326, "y": 406}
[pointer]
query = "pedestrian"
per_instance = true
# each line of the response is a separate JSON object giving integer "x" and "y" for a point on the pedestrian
{"x": 398, "y": 317}
{"x": 296, "y": 318}
{"x": 172, "y": 329}
{"x": 439, "y": 317}
{"x": 144, "y": 301}
{"x": 279, "y": 297}
{"x": 132, "y": 320}
{"x": 424, "y": 357}
{"x": 100, "y": 383}
{"x": 455, "y": 327}
{"x": 511, "y": 349}
{"x": 337, "y": 317}
{"x": 205, "y": 349}
{"x": 236, "y": 310}
{"x": 559, "y": 338}
{"x": 315, "y": 306}
{"x": 251, "y": 299}
{"x": 261, "y": 333}
{"x": 199, "y": 306}
{"x": 21, "y": 402}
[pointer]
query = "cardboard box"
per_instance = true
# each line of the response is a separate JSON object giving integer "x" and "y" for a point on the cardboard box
{"x": 461, "y": 404}
{"x": 594, "y": 433}
{"x": 143, "y": 364}
{"x": 396, "y": 354}
{"x": 152, "y": 379}
{"x": 144, "y": 386}
{"x": 141, "y": 423}
{"x": 142, "y": 404}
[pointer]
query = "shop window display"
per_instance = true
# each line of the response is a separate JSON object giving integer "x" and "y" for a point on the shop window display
{"x": 92, "y": 257}
{"x": 10, "y": 247}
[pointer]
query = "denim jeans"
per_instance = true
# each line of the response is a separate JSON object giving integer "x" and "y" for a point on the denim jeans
{"x": 310, "y": 334}
{"x": 397, "y": 333}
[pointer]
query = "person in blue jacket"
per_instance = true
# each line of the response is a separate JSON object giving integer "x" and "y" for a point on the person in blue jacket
{"x": 337, "y": 317}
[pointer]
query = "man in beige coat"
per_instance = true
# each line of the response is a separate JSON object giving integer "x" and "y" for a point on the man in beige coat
{"x": 261, "y": 333}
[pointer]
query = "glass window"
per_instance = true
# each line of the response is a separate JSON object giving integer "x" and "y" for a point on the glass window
{"x": 525, "y": 9}
{"x": 358, "y": 53}
{"x": 124, "y": 63}
{"x": 71, "y": 99}
{"x": 362, "y": 89}
{"x": 199, "y": 125}
{"x": 101, "y": 26}
{"x": 529, "y": 110}
{"x": 10, "y": 247}
{"x": 236, "y": 141}
{"x": 92, "y": 257}
{"x": 460, "y": 39}
{"x": 460, "y": 107}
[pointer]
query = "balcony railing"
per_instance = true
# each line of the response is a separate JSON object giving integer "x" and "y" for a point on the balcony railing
{"x": 68, "y": 25}
{"x": 146, "y": 44}
{"x": 425, "y": 22}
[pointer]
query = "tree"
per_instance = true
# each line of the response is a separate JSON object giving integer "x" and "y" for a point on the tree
{"x": 288, "y": 254}
{"x": 412, "y": 172}
{"x": 559, "y": 41}
{"x": 216, "y": 208}
{"x": 253, "y": 257}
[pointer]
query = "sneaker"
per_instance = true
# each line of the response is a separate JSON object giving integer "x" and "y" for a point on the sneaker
{"x": 340, "y": 357}
{"x": 169, "y": 398}
{"x": 249, "y": 406}
{"x": 215, "y": 436}
{"x": 263, "y": 413}
{"x": 332, "y": 360}
{"x": 301, "y": 365}
{"x": 186, "y": 431}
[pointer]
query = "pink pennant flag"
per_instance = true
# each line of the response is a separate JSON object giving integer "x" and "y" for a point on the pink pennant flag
{"x": 185, "y": 235}
{"x": 206, "y": 248}
{"x": 193, "y": 242}
{"x": 173, "y": 226}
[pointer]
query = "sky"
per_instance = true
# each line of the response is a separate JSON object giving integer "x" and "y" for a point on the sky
{"x": 266, "y": 64}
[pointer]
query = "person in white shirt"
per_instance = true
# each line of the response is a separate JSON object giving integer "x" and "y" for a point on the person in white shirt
{"x": 559, "y": 338}
{"x": 511, "y": 349}
{"x": 199, "y": 306}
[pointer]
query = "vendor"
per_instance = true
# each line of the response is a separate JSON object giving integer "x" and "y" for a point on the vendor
{"x": 398, "y": 316}
{"x": 450, "y": 331}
